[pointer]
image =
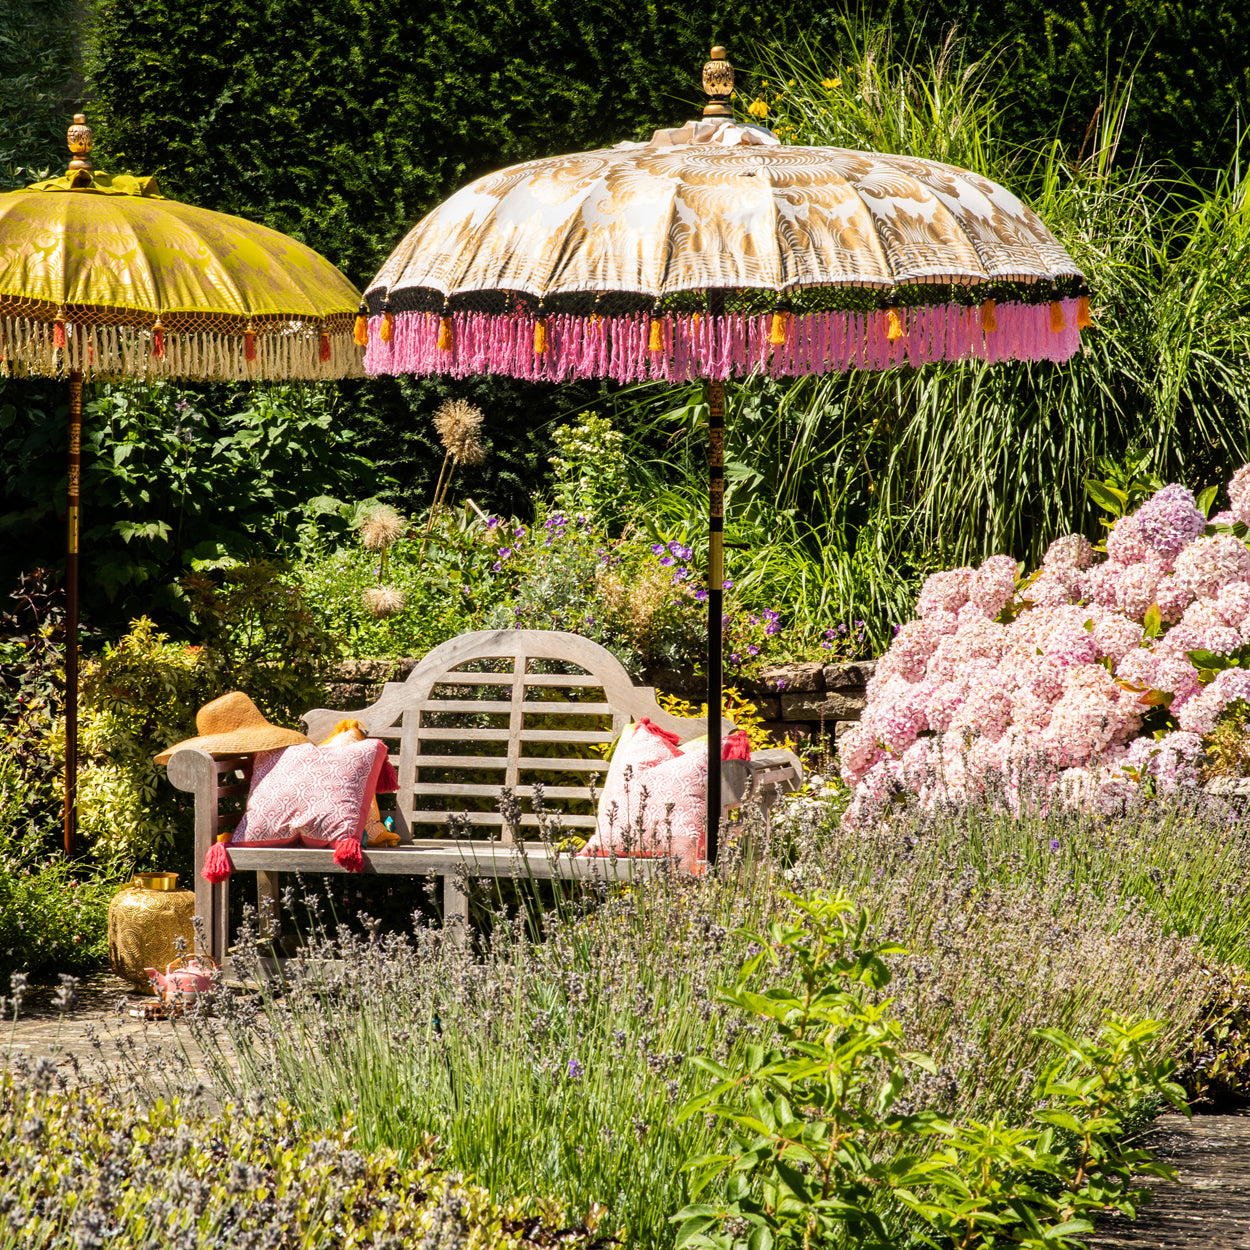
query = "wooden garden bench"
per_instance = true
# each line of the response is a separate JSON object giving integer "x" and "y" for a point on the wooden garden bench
{"x": 514, "y": 709}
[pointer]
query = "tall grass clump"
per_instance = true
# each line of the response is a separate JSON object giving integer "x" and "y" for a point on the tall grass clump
{"x": 549, "y": 1053}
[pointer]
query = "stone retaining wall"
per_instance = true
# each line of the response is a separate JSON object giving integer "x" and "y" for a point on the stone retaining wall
{"x": 802, "y": 701}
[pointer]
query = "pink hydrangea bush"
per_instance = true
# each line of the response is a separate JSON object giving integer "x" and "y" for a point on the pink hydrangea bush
{"x": 1074, "y": 685}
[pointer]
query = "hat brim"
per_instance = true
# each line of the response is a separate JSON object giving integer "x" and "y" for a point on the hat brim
{"x": 238, "y": 742}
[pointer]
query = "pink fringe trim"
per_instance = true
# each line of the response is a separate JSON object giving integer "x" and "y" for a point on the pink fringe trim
{"x": 617, "y": 347}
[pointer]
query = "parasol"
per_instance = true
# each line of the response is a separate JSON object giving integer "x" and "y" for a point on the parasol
{"x": 102, "y": 277}
{"x": 713, "y": 251}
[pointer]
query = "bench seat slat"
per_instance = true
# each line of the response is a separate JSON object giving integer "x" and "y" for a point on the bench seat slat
{"x": 478, "y": 859}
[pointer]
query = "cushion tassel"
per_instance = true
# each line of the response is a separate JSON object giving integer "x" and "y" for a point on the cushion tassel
{"x": 446, "y": 336}
{"x": 667, "y": 735}
{"x": 989, "y": 322}
{"x": 360, "y": 331}
{"x": 1057, "y": 321}
{"x": 894, "y": 327}
{"x": 217, "y": 866}
{"x": 347, "y": 854}
{"x": 1083, "y": 318}
{"x": 777, "y": 335}
{"x": 737, "y": 746}
{"x": 540, "y": 336}
{"x": 158, "y": 340}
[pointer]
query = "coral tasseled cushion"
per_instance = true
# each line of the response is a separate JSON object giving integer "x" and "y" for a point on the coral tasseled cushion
{"x": 310, "y": 795}
{"x": 653, "y": 801}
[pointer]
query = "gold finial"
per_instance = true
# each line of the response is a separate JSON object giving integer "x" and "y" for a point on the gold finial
{"x": 78, "y": 137}
{"x": 718, "y": 82}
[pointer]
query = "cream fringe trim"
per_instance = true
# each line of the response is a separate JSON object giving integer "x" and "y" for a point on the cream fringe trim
{"x": 27, "y": 348}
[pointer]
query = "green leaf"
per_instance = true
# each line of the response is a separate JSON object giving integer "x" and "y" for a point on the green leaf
{"x": 1206, "y": 498}
{"x": 1153, "y": 622}
{"x": 1107, "y": 497}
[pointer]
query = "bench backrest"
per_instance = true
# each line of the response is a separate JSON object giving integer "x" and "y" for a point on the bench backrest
{"x": 505, "y": 708}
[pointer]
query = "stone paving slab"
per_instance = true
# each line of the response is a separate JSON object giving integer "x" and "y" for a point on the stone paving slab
{"x": 103, "y": 1010}
{"x": 1209, "y": 1206}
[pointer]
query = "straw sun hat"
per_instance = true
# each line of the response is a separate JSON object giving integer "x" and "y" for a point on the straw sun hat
{"x": 234, "y": 725}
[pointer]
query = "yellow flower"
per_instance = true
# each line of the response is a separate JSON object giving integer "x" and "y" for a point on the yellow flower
{"x": 757, "y": 108}
{"x": 831, "y": 84}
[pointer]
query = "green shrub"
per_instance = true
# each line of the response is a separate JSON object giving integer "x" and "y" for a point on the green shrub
{"x": 821, "y": 1147}
{"x": 51, "y": 917}
{"x": 138, "y": 697}
{"x": 261, "y": 637}
{"x": 84, "y": 1169}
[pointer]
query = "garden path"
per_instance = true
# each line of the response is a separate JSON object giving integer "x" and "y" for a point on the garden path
{"x": 1209, "y": 1205}
{"x": 99, "y": 1036}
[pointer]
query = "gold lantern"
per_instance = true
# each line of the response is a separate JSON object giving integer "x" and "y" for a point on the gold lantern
{"x": 145, "y": 918}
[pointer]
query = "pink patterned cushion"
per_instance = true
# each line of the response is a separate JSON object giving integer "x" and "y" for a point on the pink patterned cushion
{"x": 660, "y": 808}
{"x": 310, "y": 795}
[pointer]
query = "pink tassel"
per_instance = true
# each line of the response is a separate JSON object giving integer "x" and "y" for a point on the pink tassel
{"x": 347, "y": 854}
{"x": 737, "y": 746}
{"x": 217, "y": 866}
{"x": 664, "y": 735}
{"x": 388, "y": 782}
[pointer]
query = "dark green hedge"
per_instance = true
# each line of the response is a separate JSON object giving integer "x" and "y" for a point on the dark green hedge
{"x": 342, "y": 121}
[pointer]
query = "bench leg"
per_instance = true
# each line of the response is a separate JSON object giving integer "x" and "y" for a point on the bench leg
{"x": 268, "y": 913}
{"x": 455, "y": 911}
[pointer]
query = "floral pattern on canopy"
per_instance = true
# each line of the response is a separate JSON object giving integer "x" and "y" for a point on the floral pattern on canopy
{"x": 107, "y": 267}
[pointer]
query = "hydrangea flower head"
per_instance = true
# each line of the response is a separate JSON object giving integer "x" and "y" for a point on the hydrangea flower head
{"x": 1170, "y": 520}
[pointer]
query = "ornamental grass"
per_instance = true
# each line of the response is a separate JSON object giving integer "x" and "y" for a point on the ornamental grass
{"x": 549, "y": 1056}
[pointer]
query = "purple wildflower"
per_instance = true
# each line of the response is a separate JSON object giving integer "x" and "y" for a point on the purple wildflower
{"x": 666, "y": 560}
{"x": 735, "y": 658}
{"x": 575, "y": 1069}
{"x": 1054, "y": 844}
{"x": 752, "y": 649}
{"x": 701, "y": 595}
{"x": 504, "y": 552}
{"x": 657, "y": 549}
{"x": 496, "y": 566}
{"x": 728, "y": 584}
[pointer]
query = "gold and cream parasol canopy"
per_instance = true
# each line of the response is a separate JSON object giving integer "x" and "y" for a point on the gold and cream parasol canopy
{"x": 730, "y": 207}
{"x": 870, "y": 259}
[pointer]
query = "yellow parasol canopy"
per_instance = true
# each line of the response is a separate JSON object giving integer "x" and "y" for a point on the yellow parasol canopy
{"x": 105, "y": 277}
{"x": 101, "y": 277}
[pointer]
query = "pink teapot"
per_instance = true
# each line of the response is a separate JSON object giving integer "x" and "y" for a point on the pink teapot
{"x": 183, "y": 979}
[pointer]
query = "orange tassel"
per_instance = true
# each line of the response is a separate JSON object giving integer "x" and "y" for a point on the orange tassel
{"x": 325, "y": 347}
{"x": 387, "y": 330}
{"x": 1083, "y": 319}
{"x": 777, "y": 335}
{"x": 360, "y": 331}
{"x": 58, "y": 332}
{"x": 656, "y": 341}
{"x": 446, "y": 335}
{"x": 989, "y": 322}
{"x": 894, "y": 327}
{"x": 158, "y": 340}
{"x": 540, "y": 336}
{"x": 1057, "y": 321}
{"x": 694, "y": 320}
{"x": 249, "y": 343}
